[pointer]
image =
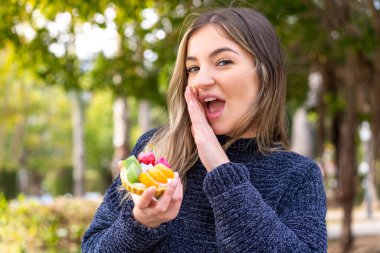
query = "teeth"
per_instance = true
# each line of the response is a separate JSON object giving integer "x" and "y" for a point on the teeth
{"x": 209, "y": 99}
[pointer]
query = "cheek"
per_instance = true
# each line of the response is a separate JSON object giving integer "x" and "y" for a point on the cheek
{"x": 243, "y": 97}
{"x": 243, "y": 91}
{"x": 249, "y": 88}
{"x": 190, "y": 82}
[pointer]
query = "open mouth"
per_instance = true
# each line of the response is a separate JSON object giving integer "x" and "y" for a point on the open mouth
{"x": 213, "y": 107}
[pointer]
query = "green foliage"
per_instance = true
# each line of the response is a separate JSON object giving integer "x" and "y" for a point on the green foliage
{"x": 98, "y": 140}
{"x": 335, "y": 103}
{"x": 297, "y": 88}
{"x": 59, "y": 181}
{"x": 132, "y": 72}
{"x": 36, "y": 129}
{"x": 29, "y": 226}
{"x": 35, "y": 125}
{"x": 8, "y": 183}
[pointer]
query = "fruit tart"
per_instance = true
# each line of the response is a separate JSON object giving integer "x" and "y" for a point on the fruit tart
{"x": 138, "y": 174}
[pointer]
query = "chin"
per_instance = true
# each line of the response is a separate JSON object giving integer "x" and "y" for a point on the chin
{"x": 220, "y": 131}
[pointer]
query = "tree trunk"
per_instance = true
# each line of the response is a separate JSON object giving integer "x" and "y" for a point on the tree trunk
{"x": 372, "y": 192}
{"x": 347, "y": 157}
{"x": 144, "y": 115}
{"x": 372, "y": 176}
{"x": 121, "y": 133}
{"x": 375, "y": 90}
{"x": 78, "y": 143}
{"x": 17, "y": 150}
{"x": 375, "y": 122}
{"x": 329, "y": 129}
{"x": 321, "y": 109}
{"x": 23, "y": 175}
{"x": 303, "y": 141}
{"x": 5, "y": 111}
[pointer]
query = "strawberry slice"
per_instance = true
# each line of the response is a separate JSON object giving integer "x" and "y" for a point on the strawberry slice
{"x": 163, "y": 161}
{"x": 147, "y": 158}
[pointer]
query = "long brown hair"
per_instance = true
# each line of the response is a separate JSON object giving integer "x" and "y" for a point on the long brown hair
{"x": 253, "y": 32}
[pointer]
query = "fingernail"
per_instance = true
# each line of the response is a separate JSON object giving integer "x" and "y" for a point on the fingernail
{"x": 152, "y": 189}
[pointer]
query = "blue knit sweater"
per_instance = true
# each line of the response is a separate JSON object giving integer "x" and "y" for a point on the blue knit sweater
{"x": 255, "y": 203}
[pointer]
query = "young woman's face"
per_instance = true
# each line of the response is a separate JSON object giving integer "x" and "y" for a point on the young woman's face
{"x": 224, "y": 76}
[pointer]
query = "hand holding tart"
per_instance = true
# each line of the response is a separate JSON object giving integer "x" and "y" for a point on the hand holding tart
{"x": 138, "y": 174}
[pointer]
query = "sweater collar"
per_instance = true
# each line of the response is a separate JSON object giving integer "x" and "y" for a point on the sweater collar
{"x": 242, "y": 145}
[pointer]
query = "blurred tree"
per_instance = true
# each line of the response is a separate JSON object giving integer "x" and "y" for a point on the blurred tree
{"x": 32, "y": 128}
{"x": 336, "y": 38}
{"x": 52, "y": 30}
{"x": 348, "y": 68}
{"x": 148, "y": 33}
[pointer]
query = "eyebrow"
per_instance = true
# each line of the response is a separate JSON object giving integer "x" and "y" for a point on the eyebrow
{"x": 213, "y": 53}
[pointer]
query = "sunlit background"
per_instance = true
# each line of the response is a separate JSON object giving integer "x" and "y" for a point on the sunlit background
{"x": 80, "y": 81}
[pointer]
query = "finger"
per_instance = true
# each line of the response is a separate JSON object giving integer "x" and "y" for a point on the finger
{"x": 195, "y": 109}
{"x": 176, "y": 202}
{"x": 191, "y": 97}
{"x": 194, "y": 97}
{"x": 187, "y": 94}
{"x": 164, "y": 202}
{"x": 197, "y": 106}
{"x": 145, "y": 198}
{"x": 193, "y": 93}
{"x": 178, "y": 194}
{"x": 120, "y": 165}
{"x": 200, "y": 127}
{"x": 190, "y": 105}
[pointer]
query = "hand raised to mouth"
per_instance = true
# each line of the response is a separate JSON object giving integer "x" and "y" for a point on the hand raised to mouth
{"x": 210, "y": 151}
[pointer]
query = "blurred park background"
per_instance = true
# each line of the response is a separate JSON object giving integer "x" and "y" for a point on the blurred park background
{"x": 80, "y": 81}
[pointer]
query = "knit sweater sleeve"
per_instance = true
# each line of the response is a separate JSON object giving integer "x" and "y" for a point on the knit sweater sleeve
{"x": 114, "y": 229}
{"x": 246, "y": 223}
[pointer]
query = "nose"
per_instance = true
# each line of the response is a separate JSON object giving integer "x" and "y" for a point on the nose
{"x": 203, "y": 80}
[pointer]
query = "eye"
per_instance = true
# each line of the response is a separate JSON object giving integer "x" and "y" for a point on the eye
{"x": 224, "y": 62}
{"x": 192, "y": 69}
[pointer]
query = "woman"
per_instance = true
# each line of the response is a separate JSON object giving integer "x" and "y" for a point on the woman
{"x": 240, "y": 190}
